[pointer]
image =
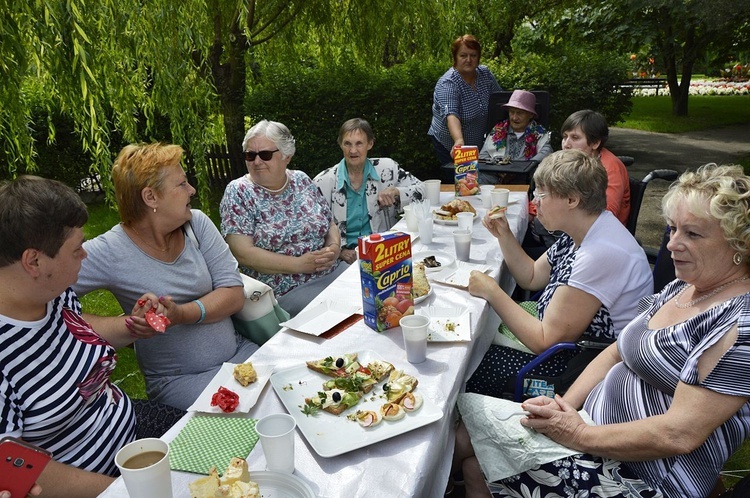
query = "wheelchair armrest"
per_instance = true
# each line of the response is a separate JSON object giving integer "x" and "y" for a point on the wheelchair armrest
{"x": 594, "y": 343}
{"x": 562, "y": 346}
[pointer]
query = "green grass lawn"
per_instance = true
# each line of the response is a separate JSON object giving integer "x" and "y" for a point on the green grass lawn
{"x": 705, "y": 112}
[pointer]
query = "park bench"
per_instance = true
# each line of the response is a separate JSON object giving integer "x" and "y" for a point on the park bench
{"x": 655, "y": 83}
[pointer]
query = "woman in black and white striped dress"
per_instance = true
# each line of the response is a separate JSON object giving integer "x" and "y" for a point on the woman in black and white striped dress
{"x": 670, "y": 398}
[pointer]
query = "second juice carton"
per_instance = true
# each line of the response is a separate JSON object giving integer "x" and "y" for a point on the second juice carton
{"x": 466, "y": 164}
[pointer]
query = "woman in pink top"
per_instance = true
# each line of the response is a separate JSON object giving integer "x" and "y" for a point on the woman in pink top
{"x": 588, "y": 131}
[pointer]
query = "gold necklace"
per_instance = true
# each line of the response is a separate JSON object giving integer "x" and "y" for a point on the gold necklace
{"x": 169, "y": 239}
{"x": 703, "y": 298}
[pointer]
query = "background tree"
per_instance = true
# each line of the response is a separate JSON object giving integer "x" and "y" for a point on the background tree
{"x": 126, "y": 66}
{"x": 680, "y": 33}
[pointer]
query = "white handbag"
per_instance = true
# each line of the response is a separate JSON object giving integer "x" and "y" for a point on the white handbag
{"x": 259, "y": 318}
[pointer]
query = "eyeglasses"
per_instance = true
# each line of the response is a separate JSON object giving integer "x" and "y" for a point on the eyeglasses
{"x": 538, "y": 196}
{"x": 265, "y": 155}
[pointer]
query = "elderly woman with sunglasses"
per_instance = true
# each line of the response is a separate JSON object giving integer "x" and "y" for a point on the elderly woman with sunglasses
{"x": 596, "y": 268}
{"x": 276, "y": 222}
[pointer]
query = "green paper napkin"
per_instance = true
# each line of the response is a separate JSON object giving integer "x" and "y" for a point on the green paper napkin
{"x": 207, "y": 442}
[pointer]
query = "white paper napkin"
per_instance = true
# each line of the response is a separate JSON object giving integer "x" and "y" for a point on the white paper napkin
{"x": 502, "y": 445}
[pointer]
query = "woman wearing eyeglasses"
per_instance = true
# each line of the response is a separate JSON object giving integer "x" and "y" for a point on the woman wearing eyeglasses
{"x": 277, "y": 224}
{"x": 592, "y": 277}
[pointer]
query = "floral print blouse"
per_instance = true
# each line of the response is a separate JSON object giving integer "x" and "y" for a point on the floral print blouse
{"x": 291, "y": 223}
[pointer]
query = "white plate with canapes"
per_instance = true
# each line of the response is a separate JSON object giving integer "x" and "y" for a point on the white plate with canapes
{"x": 330, "y": 435}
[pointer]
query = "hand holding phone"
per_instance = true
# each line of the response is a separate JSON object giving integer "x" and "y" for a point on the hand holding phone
{"x": 20, "y": 466}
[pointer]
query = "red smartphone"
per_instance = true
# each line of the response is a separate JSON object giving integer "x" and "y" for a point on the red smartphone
{"x": 20, "y": 465}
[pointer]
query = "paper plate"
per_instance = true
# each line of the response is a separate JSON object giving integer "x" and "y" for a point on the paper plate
{"x": 443, "y": 258}
{"x": 278, "y": 485}
{"x": 321, "y": 318}
{"x": 441, "y": 221}
{"x": 422, "y": 298}
{"x": 225, "y": 377}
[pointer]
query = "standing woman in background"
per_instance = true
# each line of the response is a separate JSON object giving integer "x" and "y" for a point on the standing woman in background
{"x": 461, "y": 99}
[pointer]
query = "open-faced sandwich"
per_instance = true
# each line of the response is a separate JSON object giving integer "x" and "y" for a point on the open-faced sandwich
{"x": 334, "y": 366}
{"x": 334, "y": 400}
{"x": 497, "y": 212}
{"x": 448, "y": 211}
{"x": 399, "y": 383}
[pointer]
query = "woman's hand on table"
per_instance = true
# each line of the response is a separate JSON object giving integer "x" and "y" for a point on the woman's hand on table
{"x": 481, "y": 284}
{"x": 348, "y": 255}
{"x": 388, "y": 197}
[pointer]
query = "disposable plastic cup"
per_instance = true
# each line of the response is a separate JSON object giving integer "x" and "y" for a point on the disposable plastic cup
{"x": 411, "y": 219}
{"x": 425, "y": 231}
{"x": 462, "y": 242}
{"x": 499, "y": 197}
{"x": 465, "y": 221}
{"x": 144, "y": 466}
{"x": 486, "y": 195}
{"x": 276, "y": 433}
{"x": 433, "y": 191}
{"x": 414, "y": 328}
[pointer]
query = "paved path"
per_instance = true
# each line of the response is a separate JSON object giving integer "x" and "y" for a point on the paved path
{"x": 678, "y": 151}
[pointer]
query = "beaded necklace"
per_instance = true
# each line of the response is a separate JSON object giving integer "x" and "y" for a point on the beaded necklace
{"x": 703, "y": 298}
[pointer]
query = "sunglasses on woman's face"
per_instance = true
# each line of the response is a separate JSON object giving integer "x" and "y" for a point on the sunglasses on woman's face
{"x": 265, "y": 155}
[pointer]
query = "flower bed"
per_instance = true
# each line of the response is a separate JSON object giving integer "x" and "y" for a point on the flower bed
{"x": 704, "y": 87}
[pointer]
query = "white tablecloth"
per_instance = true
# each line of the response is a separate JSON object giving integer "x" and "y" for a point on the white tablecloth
{"x": 415, "y": 464}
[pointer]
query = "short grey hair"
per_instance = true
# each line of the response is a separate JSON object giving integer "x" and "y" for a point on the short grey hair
{"x": 276, "y": 132}
{"x": 573, "y": 172}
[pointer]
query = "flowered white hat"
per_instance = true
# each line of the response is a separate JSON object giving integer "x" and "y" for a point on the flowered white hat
{"x": 521, "y": 99}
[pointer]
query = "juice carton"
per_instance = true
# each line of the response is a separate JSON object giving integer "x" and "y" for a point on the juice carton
{"x": 466, "y": 163}
{"x": 386, "y": 274}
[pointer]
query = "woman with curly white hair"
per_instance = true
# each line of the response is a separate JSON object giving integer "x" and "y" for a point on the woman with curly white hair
{"x": 670, "y": 398}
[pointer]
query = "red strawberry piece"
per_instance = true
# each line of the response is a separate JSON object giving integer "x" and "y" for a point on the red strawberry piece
{"x": 157, "y": 321}
{"x": 225, "y": 399}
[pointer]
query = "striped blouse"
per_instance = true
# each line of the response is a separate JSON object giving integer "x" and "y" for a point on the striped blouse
{"x": 55, "y": 389}
{"x": 643, "y": 385}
